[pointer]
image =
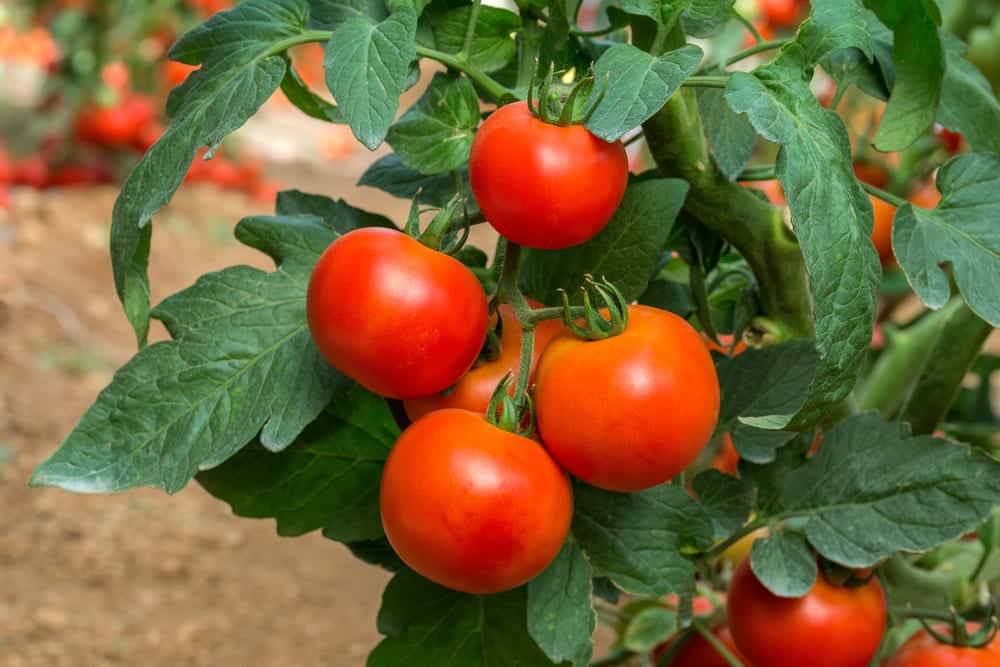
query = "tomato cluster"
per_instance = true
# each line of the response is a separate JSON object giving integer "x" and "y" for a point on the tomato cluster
{"x": 464, "y": 502}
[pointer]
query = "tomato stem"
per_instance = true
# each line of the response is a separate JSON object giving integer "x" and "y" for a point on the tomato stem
{"x": 470, "y": 31}
{"x": 706, "y": 81}
{"x": 883, "y": 195}
{"x": 494, "y": 88}
{"x": 714, "y": 641}
{"x": 759, "y": 47}
{"x": 749, "y": 26}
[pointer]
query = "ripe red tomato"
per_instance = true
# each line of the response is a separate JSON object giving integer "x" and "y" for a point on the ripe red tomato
{"x": 724, "y": 345}
{"x": 6, "y": 167}
{"x": 922, "y": 650}
{"x": 543, "y": 185}
{"x": 866, "y": 172}
{"x": 70, "y": 175}
{"x": 728, "y": 459}
{"x": 882, "y": 231}
{"x": 398, "y": 317}
{"x": 31, "y": 171}
{"x": 473, "y": 507}
{"x": 147, "y": 136}
{"x": 950, "y": 141}
{"x": 474, "y": 390}
{"x": 926, "y": 196}
{"x": 831, "y": 626}
{"x": 600, "y": 405}
{"x": 697, "y": 652}
{"x": 224, "y": 173}
{"x": 174, "y": 73}
{"x": 117, "y": 125}
{"x": 782, "y": 12}
{"x": 4, "y": 197}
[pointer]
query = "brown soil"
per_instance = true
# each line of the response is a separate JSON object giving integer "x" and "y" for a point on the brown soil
{"x": 142, "y": 578}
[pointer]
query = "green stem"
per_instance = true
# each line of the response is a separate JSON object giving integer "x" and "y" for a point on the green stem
{"x": 656, "y": 48}
{"x": 721, "y": 547}
{"x": 882, "y": 194}
{"x": 756, "y": 229}
{"x": 962, "y": 335}
{"x": 530, "y": 44}
{"x": 717, "y": 644}
{"x": 838, "y": 95}
{"x": 524, "y": 369}
{"x": 759, "y": 47}
{"x": 916, "y": 613}
{"x": 495, "y": 89}
{"x": 758, "y": 173}
{"x": 897, "y": 369}
{"x": 470, "y": 31}
{"x": 749, "y": 26}
{"x": 706, "y": 82}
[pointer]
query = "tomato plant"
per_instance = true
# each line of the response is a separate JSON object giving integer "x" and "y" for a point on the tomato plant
{"x": 612, "y": 409}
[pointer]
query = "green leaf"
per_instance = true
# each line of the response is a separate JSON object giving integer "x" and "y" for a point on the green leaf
{"x": 561, "y": 615}
{"x": 389, "y": 174}
{"x": 338, "y": 214}
{"x": 668, "y": 295}
{"x": 967, "y": 102}
{"x": 435, "y": 134}
{"x": 240, "y": 53}
{"x": 636, "y": 85}
{"x": 731, "y": 137}
{"x": 834, "y": 25}
{"x": 919, "y": 67}
{"x": 650, "y": 627}
{"x": 757, "y": 444}
{"x": 328, "y": 478}
{"x": 658, "y": 10}
{"x": 784, "y": 563}
{"x": 763, "y": 388}
{"x": 431, "y": 626}
{"x": 638, "y": 540}
{"x": 626, "y": 251}
{"x": 962, "y": 230}
{"x": 376, "y": 552}
{"x": 308, "y": 102}
{"x": 871, "y": 491}
{"x": 831, "y": 216}
{"x": 493, "y": 45}
{"x": 704, "y": 18}
{"x": 330, "y": 14}
{"x": 186, "y": 405}
{"x": 367, "y": 65}
{"x": 726, "y": 499}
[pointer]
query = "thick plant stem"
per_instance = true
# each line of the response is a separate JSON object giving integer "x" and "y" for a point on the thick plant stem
{"x": 677, "y": 142}
{"x": 717, "y": 644}
{"x": 900, "y": 365}
{"x": 948, "y": 360}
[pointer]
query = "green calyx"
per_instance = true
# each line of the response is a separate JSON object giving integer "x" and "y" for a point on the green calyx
{"x": 563, "y": 104}
{"x": 960, "y": 635}
{"x": 438, "y": 234}
{"x": 597, "y": 326}
{"x": 509, "y": 414}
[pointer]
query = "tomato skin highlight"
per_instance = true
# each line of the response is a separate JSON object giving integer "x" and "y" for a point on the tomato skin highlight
{"x": 401, "y": 319}
{"x": 601, "y": 405}
{"x": 542, "y": 185}
{"x": 474, "y": 390}
{"x": 922, "y": 650}
{"x": 831, "y": 626}
{"x": 473, "y": 507}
